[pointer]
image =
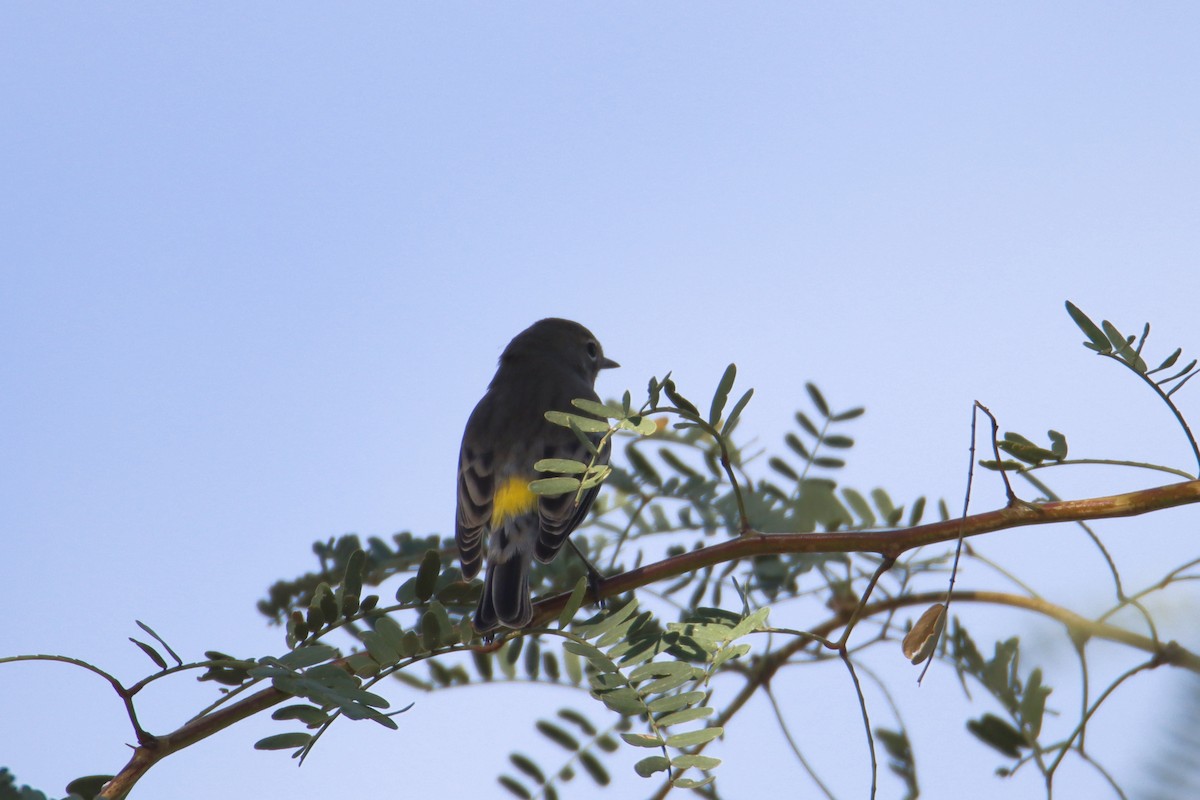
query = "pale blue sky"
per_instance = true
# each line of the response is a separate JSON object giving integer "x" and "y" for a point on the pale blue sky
{"x": 258, "y": 263}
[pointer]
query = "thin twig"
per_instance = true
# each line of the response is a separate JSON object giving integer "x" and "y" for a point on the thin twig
{"x": 787, "y": 734}
{"x": 866, "y": 718}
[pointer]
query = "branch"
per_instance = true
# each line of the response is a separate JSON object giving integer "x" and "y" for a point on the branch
{"x": 147, "y": 755}
{"x": 764, "y": 669}
{"x": 888, "y": 543}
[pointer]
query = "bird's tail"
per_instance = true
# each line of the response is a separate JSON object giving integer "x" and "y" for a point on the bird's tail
{"x": 505, "y": 601}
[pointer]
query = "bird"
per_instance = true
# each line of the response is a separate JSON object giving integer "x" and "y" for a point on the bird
{"x": 543, "y": 368}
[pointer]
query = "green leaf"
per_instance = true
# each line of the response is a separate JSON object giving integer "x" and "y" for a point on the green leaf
{"x": 380, "y": 648}
{"x": 859, "y": 505}
{"x": 574, "y": 667}
{"x": 653, "y": 389}
{"x": 828, "y": 463}
{"x": 596, "y": 475}
{"x": 483, "y": 664}
{"x": 512, "y": 650}
{"x": 838, "y": 441}
{"x": 598, "y": 409}
{"x": 648, "y": 766}
{"x": 562, "y": 466}
{"x": 309, "y": 715}
{"x": 673, "y": 702}
{"x": 918, "y": 511}
{"x": 573, "y": 602}
{"x": 736, "y": 413}
{"x": 1099, "y": 342}
{"x": 1018, "y": 446}
{"x": 352, "y": 582}
{"x": 599, "y": 626}
{"x": 528, "y": 767}
{"x": 668, "y": 387}
{"x": 692, "y": 738}
{"x": 998, "y": 734}
{"x": 807, "y": 425}
{"x": 516, "y": 788}
{"x": 675, "y": 463}
{"x": 1122, "y": 348}
{"x": 642, "y": 426}
{"x": 624, "y": 701}
{"x": 853, "y": 413}
{"x": 151, "y": 652}
{"x": 594, "y": 655}
{"x": 658, "y": 669}
{"x": 818, "y": 399}
{"x": 88, "y": 786}
{"x": 607, "y": 743}
{"x": 308, "y": 656}
{"x": 431, "y": 631}
{"x": 283, "y": 741}
{"x": 583, "y": 438}
{"x": 691, "y": 783}
{"x": 390, "y": 630}
{"x": 554, "y": 486}
{"x": 550, "y": 666}
{"x": 577, "y": 719}
{"x": 1058, "y": 444}
{"x": 726, "y": 653}
{"x": 323, "y": 600}
{"x": 1033, "y": 703}
{"x": 594, "y": 768}
{"x": 297, "y": 629}
{"x": 642, "y": 739}
{"x": 783, "y": 468}
{"x": 410, "y": 645}
{"x": 750, "y": 623}
{"x": 900, "y": 758}
{"x": 427, "y": 575}
{"x": 707, "y": 636}
{"x": 160, "y": 640}
{"x": 666, "y": 684}
{"x": 883, "y": 502}
{"x": 695, "y": 760}
{"x": 683, "y": 715}
{"x": 1166, "y": 364}
{"x": 793, "y": 441}
{"x": 557, "y": 735}
{"x": 641, "y": 465}
{"x": 721, "y": 396}
{"x": 585, "y": 424}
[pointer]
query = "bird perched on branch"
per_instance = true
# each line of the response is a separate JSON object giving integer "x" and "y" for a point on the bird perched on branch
{"x": 542, "y": 369}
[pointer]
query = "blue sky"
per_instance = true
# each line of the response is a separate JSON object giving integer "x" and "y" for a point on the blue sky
{"x": 258, "y": 263}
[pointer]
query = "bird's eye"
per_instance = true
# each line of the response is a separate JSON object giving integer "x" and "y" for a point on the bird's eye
{"x": 591, "y": 350}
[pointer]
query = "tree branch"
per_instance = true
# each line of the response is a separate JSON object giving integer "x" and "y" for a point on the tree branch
{"x": 888, "y": 543}
{"x": 146, "y": 756}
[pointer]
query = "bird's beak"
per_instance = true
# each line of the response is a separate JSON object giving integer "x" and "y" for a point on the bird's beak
{"x": 608, "y": 363}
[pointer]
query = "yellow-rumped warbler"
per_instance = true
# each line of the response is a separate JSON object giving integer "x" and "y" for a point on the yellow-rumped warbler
{"x": 544, "y": 368}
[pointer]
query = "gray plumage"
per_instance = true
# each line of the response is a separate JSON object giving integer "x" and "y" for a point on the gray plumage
{"x": 542, "y": 369}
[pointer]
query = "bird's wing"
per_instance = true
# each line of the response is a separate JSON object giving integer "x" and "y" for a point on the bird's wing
{"x": 560, "y": 515}
{"x": 476, "y": 482}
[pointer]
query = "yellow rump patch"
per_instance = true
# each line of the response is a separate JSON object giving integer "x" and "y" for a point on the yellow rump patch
{"x": 512, "y": 499}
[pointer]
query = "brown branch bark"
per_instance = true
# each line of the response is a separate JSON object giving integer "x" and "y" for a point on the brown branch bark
{"x": 888, "y": 543}
{"x": 891, "y": 542}
{"x": 147, "y": 755}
